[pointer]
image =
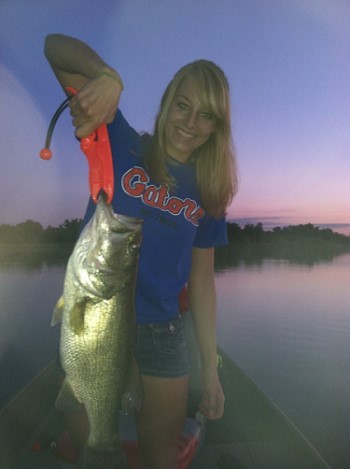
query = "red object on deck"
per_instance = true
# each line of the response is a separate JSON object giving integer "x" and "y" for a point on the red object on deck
{"x": 187, "y": 449}
{"x": 187, "y": 446}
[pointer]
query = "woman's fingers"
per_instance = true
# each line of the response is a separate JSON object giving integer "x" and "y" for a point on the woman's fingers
{"x": 95, "y": 104}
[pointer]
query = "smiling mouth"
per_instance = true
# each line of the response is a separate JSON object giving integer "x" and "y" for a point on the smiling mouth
{"x": 184, "y": 134}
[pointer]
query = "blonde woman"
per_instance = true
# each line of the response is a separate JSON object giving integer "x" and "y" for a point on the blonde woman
{"x": 180, "y": 181}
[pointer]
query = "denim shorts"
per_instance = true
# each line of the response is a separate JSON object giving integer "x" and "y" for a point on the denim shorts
{"x": 161, "y": 349}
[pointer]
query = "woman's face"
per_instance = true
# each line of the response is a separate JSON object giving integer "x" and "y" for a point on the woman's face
{"x": 188, "y": 124}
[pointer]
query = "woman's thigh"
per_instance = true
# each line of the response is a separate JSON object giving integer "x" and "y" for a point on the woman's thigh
{"x": 161, "y": 419}
{"x": 162, "y": 357}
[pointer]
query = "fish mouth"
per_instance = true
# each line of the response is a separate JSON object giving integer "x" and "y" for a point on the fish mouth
{"x": 117, "y": 220}
{"x": 130, "y": 223}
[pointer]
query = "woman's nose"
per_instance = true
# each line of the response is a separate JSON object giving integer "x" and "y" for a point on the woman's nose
{"x": 191, "y": 119}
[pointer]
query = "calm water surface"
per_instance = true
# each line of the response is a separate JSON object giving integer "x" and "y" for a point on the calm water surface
{"x": 27, "y": 342}
{"x": 287, "y": 325}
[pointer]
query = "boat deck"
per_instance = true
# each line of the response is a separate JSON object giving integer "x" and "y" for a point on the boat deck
{"x": 253, "y": 434}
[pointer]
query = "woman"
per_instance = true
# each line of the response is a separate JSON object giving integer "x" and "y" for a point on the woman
{"x": 180, "y": 181}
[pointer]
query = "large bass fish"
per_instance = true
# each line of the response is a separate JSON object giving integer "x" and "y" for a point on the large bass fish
{"x": 97, "y": 313}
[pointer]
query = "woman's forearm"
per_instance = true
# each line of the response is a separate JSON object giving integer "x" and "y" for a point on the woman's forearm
{"x": 203, "y": 305}
{"x": 99, "y": 86}
{"x": 201, "y": 288}
{"x": 71, "y": 55}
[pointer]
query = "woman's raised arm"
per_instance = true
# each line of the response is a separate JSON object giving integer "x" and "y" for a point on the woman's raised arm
{"x": 99, "y": 86}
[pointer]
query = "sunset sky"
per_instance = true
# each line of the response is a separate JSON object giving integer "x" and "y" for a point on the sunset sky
{"x": 288, "y": 64}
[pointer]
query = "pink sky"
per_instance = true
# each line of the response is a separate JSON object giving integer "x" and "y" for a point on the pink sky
{"x": 288, "y": 67}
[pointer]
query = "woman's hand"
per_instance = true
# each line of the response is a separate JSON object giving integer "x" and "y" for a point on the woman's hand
{"x": 99, "y": 86}
{"x": 213, "y": 399}
{"x": 95, "y": 104}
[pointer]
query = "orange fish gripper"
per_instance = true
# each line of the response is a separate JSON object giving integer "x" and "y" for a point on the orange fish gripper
{"x": 97, "y": 150}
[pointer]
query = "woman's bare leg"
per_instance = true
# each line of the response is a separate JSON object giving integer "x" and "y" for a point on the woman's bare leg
{"x": 161, "y": 420}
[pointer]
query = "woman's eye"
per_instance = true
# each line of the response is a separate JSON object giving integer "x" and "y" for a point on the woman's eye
{"x": 183, "y": 106}
{"x": 206, "y": 115}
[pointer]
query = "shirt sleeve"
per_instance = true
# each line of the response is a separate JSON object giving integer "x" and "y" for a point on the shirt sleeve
{"x": 211, "y": 232}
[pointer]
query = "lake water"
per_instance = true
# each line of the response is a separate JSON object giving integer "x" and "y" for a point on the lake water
{"x": 286, "y": 324}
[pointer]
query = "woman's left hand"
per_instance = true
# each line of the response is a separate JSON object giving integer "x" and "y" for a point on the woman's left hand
{"x": 213, "y": 399}
{"x": 95, "y": 104}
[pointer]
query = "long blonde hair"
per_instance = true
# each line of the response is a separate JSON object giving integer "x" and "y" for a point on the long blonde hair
{"x": 215, "y": 159}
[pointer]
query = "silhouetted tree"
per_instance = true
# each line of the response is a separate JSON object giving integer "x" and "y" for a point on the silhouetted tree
{"x": 69, "y": 230}
{"x": 253, "y": 232}
{"x": 234, "y": 232}
{"x": 29, "y": 232}
{"x": 32, "y": 232}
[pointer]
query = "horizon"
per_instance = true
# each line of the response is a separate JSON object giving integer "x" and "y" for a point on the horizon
{"x": 267, "y": 225}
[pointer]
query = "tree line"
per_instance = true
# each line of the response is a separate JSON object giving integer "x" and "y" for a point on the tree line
{"x": 304, "y": 244}
{"x": 30, "y": 244}
{"x": 32, "y": 232}
{"x": 292, "y": 234}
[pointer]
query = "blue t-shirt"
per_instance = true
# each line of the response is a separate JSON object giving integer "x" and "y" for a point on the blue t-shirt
{"x": 173, "y": 223}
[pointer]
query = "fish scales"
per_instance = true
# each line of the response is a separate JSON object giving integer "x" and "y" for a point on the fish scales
{"x": 97, "y": 330}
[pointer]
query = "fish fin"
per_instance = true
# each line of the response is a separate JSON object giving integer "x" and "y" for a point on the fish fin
{"x": 76, "y": 317}
{"x": 66, "y": 400}
{"x": 57, "y": 312}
